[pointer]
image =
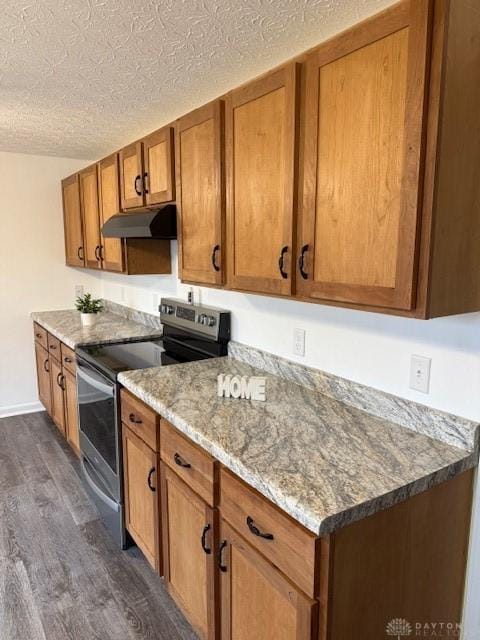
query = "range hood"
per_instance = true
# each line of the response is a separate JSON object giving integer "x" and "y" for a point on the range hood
{"x": 160, "y": 223}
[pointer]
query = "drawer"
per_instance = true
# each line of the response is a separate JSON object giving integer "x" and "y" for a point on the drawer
{"x": 194, "y": 465}
{"x": 140, "y": 419}
{"x": 291, "y": 547}
{"x": 54, "y": 347}
{"x": 40, "y": 335}
{"x": 69, "y": 360}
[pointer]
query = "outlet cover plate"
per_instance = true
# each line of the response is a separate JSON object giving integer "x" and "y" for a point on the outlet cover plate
{"x": 420, "y": 373}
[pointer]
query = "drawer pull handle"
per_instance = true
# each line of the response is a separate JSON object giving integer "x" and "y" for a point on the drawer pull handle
{"x": 53, "y": 346}
{"x": 68, "y": 359}
{"x": 38, "y": 335}
{"x": 181, "y": 463}
{"x": 256, "y": 531}
{"x": 149, "y": 480}
{"x": 221, "y": 566}
{"x": 132, "y": 417}
{"x": 206, "y": 529}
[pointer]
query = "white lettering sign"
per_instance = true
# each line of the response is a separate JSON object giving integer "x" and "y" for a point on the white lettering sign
{"x": 247, "y": 388}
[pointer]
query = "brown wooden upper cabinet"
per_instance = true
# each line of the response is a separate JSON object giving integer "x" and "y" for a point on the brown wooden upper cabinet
{"x": 109, "y": 201}
{"x": 201, "y": 194}
{"x": 91, "y": 221}
{"x": 364, "y": 105}
{"x": 260, "y": 154}
{"x": 72, "y": 222}
{"x": 147, "y": 171}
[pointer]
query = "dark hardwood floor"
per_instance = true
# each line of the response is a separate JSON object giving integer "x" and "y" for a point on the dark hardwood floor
{"x": 61, "y": 575}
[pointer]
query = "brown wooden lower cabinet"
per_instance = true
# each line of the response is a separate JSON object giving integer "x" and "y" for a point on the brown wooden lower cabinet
{"x": 190, "y": 532}
{"x": 57, "y": 385}
{"x": 43, "y": 376}
{"x": 71, "y": 410}
{"x": 142, "y": 496}
{"x": 58, "y": 403}
{"x": 257, "y": 601}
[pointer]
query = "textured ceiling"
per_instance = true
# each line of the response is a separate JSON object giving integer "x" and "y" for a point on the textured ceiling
{"x": 80, "y": 78}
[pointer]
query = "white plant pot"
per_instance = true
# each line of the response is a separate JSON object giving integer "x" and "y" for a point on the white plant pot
{"x": 88, "y": 319}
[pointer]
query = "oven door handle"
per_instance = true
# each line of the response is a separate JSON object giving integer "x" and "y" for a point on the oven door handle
{"x": 96, "y": 381}
{"x": 114, "y": 506}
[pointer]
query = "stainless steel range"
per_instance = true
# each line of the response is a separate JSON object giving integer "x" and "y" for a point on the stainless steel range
{"x": 190, "y": 332}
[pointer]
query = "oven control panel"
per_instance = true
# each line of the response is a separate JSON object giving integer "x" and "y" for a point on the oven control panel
{"x": 208, "y": 321}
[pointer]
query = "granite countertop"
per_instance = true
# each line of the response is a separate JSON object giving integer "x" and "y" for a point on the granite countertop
{"x": 324, "y": 462}
{"x": 109, "y": 327}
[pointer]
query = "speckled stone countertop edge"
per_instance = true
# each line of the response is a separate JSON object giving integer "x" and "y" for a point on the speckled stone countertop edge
{"x": 310, "y": 521}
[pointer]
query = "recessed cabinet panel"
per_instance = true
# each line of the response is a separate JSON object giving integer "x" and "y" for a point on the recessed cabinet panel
{"x": 57, "y": 384}
{"x": 109, "y": 200}
{"x": 200, "y": 195}
{"x": 189, "y": 543}
{"x": 89, "y": 200}
{"x": 43, "y": 376}
{"x": 261, "y": 134}
{"x": 72, "y": 221}
{"x": 158, "y": 158}
{"x": 131, "y": 176}
{"x": 361, "y": 163}
{"x": 142, "y": 516}
{"x": 257, "y": 600}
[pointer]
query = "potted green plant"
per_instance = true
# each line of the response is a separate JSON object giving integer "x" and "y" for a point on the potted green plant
{"x": 88, "y": 309}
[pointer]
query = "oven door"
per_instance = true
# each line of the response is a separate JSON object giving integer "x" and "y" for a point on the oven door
{"x": 99, "y": 433}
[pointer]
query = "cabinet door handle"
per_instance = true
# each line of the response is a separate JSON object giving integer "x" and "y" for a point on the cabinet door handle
{"x": 206, "y": 529}
{"x": 149, "y": 479}
{"x": 214, "y": 257}
{"x": 301, "y": 262}
{"x": 132, "y": 417}
{"x": 60, "y": 379}
{"x": 256, "y": 531}
{"x": 97, "y": 253}
{"x": 80, "y": 253}
{"x": 180, "y": 462}
{"x": 46, "y": 366}
{"x": 221, "y": 566}
{"x": 283, "y": 273}
{"x": 145, "y": 178}
{"x": 138, "y": 190}
{"x": 102, "y": 252}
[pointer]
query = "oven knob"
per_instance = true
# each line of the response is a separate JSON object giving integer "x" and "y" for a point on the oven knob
{"x": 168, "y": 309}
{"x": 210, "y": 321}
{"x": 200, "y": 318}
{"x": 162, "y": 308}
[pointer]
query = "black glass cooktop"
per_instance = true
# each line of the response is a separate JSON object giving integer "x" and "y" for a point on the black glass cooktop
{"x": 111, "y": 359}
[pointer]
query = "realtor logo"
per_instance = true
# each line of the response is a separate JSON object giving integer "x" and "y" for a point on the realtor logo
{"x": 399, "y": 628}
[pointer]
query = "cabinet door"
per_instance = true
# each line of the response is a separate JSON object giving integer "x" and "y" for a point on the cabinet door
{"x": 72, "y": 222}
{"x": 71, "y": 410}
{"x": 201, "y": 194}
{"x": 131, "y": 176}
{"x": 260, "y": 136}
{"x": 91, "y": 221}
{"x": 189, "y": 541}
{"x": 43, "y": 377}
{"x": 56, "y": 382}
{"x": 257, "y": 600}
{"x": 142, "y": 513}
{"x": 109, "y": 201}
{"x": 364, "y": 102}
{"x": 158, "y": 177}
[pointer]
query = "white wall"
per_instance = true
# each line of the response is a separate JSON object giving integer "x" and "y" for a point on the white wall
{"x": 370, "y": 348}
{"x": 33, "y": 275}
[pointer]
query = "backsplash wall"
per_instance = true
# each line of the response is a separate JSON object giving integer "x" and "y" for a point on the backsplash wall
{"x": 370, "y": 348}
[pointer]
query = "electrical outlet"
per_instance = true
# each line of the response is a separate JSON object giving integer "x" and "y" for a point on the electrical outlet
{"x": 299, "y": 342}
{"x": 78, "y": 290}
{"x": 420, "y": 373}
